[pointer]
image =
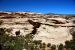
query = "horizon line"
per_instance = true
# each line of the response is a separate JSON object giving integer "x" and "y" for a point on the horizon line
{"x": 42, "y": 13}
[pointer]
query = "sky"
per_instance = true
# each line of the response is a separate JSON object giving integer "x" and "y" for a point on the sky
{"x": 39, "y": 6}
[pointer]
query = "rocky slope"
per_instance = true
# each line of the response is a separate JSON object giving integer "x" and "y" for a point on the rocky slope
{"x": 50, "y": 28}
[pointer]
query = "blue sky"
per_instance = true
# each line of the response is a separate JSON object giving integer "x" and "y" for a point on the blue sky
{"x": 40, "y": 6}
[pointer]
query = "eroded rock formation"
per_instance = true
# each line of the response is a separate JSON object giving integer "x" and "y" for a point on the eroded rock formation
{"x": 49, "y": 28}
